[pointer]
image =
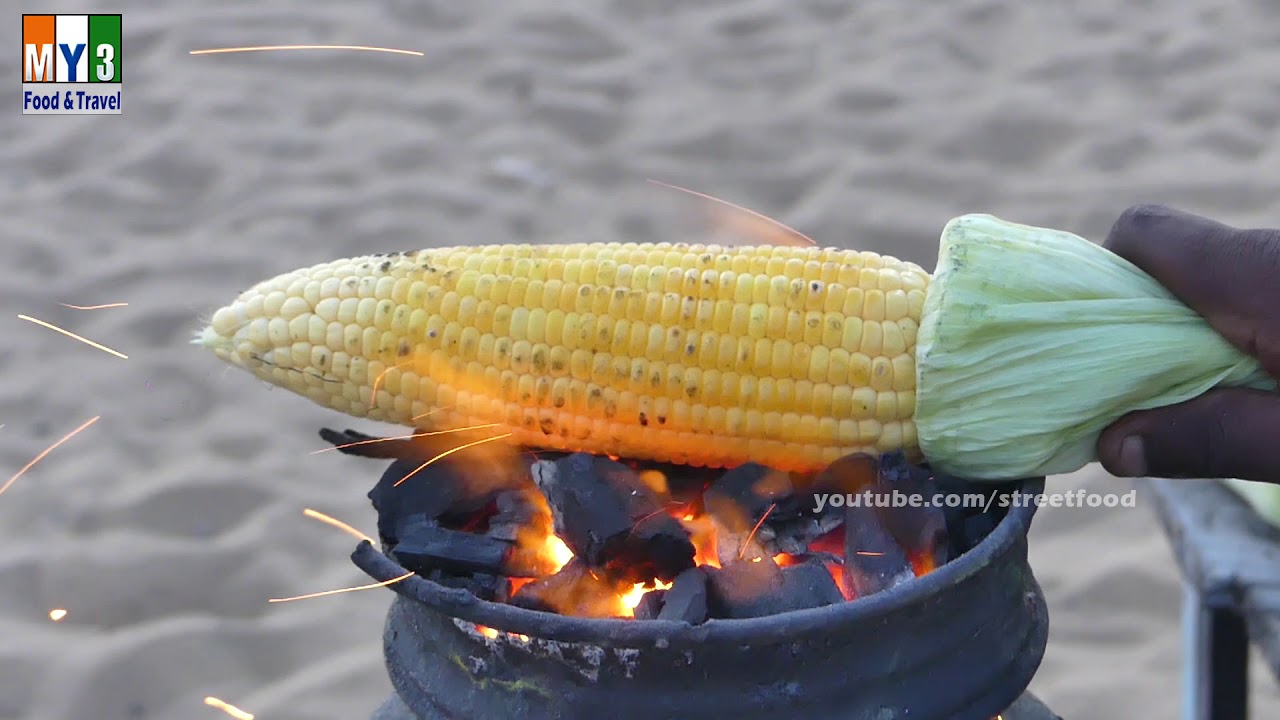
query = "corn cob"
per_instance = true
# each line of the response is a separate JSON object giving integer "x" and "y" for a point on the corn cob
{"x": 694, "y": 354}
{"x": 1007, "y": 362}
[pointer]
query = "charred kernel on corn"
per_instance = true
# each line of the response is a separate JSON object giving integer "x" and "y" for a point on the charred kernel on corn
{"x": 701, "y": 354}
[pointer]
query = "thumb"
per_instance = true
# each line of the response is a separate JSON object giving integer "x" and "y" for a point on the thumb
{"x": 1228, "y": 433}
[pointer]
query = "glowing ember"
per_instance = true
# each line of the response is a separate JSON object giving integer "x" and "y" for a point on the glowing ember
{"x": 487, "y": 631}
{"x": 326, "y": 593}
{"x": 46, "y": 451}
{"x": 72, "y": 335}
{"x": 228, "y": 708}
{"x": 57, "y": 614}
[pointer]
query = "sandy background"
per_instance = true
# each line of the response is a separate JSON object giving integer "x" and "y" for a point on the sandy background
{"x": 165, "y": 527}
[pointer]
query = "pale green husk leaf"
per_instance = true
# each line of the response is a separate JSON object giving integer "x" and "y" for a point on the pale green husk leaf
{"x": 1034, "y": 340}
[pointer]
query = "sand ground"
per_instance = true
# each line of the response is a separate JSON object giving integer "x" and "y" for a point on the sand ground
{"x": 164, "y": 527}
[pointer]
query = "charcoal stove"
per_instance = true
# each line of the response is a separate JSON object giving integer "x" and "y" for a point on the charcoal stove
{"x": 961, "y": 641}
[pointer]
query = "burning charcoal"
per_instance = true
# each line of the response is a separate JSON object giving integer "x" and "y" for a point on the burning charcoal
{"x": 873, "y": 560}
{"x": 919, "y": 527}
{"x": 458, "y": 485}
{"x": 483, "y": 585}
{"x": 519, "y": 511}
{"x": 743, "y": 589}
{"x": 442, "y": 489}
{"x": 794, "y": 537}
{"x": 686, "y": 599}
{"x": 738, "y": 502}
{"x": 425, "y": 546}
{"x": 848, "y": 475}
{"x": 650, "y": 604}
{"x": 757, "y": 589}
{"x": 736, "y": 547}
{"x": 829, "y": 520}
{"x": 612, "y": 520}
{"x": 812, "y": 583}
{"x": 574, "y": 591}
{"x": 524, "y": 519}
{"x": 743, "y": 495}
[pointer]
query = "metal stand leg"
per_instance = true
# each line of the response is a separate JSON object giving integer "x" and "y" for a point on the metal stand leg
{"x": 1216, "y": 666}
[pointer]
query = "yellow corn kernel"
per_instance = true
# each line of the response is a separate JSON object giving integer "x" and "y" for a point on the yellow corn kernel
{"x": 699, "y": 354}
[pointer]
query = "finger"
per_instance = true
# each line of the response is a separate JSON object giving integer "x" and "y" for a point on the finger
{"x": 1224, "y": 273}
{"x": 1229, "y": 433}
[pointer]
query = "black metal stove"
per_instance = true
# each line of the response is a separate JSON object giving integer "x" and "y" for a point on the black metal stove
{"x": 960, "y": 642}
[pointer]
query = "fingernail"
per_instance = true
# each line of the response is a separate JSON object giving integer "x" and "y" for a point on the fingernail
{"x": 1133, "y": 457}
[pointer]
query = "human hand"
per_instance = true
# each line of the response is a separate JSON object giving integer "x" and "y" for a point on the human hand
{"x": 1232, "y": 277}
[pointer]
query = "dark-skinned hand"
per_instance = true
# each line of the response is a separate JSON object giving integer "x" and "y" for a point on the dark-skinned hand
{"x": 1231, "y": 276}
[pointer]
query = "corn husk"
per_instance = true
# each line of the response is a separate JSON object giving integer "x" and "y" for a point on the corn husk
{"x": 1034, "y": 340}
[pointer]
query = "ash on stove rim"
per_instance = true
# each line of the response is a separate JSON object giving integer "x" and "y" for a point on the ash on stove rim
{"x": 504, "y": 618}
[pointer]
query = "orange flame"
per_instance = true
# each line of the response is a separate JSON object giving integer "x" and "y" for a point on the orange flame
{"x": 632, "y": 598}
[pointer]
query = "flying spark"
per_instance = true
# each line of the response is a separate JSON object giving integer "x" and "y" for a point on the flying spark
{"x": 329, "y": 520}
{"x": 405, "y": 437}
{"x": 70, "y": 334}
{"x": 326, "y": 593}
{"x": 759, "y": 216}
{"x": 228, "y": 708}
{"x": 57, "y": 614}
{"x": 377, "y": 382}
{"x": 432, "y": 412}
{"x": 451, "y": 451}
{"x": 94, "y": 307}
{"x": 262, "y": 48}
{"x": 46, "y": 451}
{"x": 742, "y": 550}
